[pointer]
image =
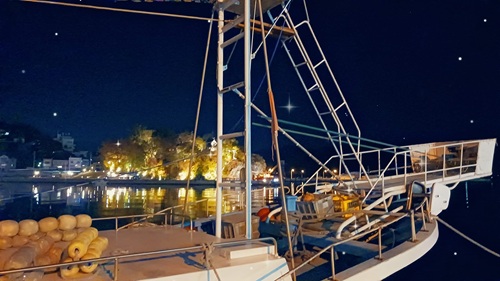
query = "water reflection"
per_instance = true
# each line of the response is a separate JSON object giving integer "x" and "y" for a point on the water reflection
{"x": 106, "y": 201}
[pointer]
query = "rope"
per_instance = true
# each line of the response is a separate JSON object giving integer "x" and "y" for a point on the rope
{"x": 274, "y": 134}
{"x": 263, "y": 76}
{"x": 468, "y": 238}
{"x": 121, "y": 10}
{"x": 206, "y": 259}
{"x": 202, "y": 84}
{"x": 232, "y": 52}
{"x": 215, "y": 270}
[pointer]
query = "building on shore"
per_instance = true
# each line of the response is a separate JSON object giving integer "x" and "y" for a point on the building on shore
{"x": 7, "y": 163}
{"x": 67, "y": 141}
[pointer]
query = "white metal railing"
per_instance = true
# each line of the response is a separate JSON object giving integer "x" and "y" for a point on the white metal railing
{"x": 398, "y": 216}
{"x": 444, "y": 166}
{"x": 363, "y": 155}
{"x": 441, "y": 168}
{"x": 406, "y": 154}
{"x": 117, "y": 258}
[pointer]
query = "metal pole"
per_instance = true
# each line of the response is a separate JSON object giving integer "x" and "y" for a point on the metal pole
{"x": 380, "y": 243}
{"x": 423, "y": 218}
{"x": 332, "y": 260}
{"x": 115, "y": 277}
{"x": 248, "y": 120}
{"x": 413, "y": 234}
{"x": 220, "y": 85}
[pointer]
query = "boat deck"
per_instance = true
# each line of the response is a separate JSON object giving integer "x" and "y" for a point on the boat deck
{"x": 165, "y": 265}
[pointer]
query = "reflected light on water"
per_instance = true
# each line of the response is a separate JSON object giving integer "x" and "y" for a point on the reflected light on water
{"x": 105, "y": 201}
{"x": 35, "y": 191}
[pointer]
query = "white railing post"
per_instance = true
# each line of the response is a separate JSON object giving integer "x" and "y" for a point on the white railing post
{"x": 413, "y": 231}
{"x": 380, "y": 244}
{"x": 332, "y": 261}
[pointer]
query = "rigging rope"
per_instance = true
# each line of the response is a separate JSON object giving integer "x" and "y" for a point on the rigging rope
{"x": 274, "y": 134}
{"x": 121, "y": 10}
{"x": 264, "y": 76}
{"x": 468, "y": 238}
{"x": 202, "y": 84}
{"x": 232, "y": 52}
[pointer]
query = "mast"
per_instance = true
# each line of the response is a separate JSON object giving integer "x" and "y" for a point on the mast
{"x": 248, "y": 121}
{"x": 243, "y": 17}
{"x": 220, "y": 131}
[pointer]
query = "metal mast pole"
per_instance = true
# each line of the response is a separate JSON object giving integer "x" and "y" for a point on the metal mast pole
{"x": 248, "y": 120}
{"x": 220, "y": 85}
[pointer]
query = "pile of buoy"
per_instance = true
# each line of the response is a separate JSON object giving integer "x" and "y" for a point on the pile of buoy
{"x": 50, "y": 241}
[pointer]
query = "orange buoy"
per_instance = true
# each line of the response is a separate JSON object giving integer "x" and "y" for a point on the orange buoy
{"x": 263, "y": 213}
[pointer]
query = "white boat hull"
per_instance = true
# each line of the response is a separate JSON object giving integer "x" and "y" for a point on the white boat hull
{"x": 394, "y": 259}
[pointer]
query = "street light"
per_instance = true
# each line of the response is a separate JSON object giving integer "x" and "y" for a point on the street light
{"x": 302, "y": 173}
{"x": 291, "y": 173}
{"x": 324, "y": 173}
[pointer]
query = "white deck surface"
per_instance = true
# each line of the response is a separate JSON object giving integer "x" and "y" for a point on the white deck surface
{"x": 145, "y": 239}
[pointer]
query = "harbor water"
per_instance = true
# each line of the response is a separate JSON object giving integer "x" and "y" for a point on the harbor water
{"x": 473, "y": 210}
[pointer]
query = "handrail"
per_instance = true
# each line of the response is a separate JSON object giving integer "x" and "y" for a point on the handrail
{"x": 382, "y": 171}
{"x": 116, "y": 258}
{"x": 391, "y": 150}
{"x": 368, "y": 208}
{"x": 378, "y": 229}
{"x": 314, "y": 175}
{"x": 426, "y": 171}
{"x": 443, "y": 168}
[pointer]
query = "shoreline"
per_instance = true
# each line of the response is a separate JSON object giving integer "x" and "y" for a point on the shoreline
{"x": 17, "y": 179}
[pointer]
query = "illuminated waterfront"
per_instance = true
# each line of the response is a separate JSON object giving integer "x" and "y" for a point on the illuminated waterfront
{"x": 25, "y": 200}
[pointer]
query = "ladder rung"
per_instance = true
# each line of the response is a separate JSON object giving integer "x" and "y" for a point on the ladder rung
{"x": 232, "y": 135}
{"x": 232, "y": 184}
{"x": 340, "y": 106}
{"x": 232, "y": 40}
{"x": 232, "y": 87}
{"x": 232, "y": 24}
{"x": 319, "y": 63}
{"x": 300, "y": 64}
{"x": 312, "y": 88}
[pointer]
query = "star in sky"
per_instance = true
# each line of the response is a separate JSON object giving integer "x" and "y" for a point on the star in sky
{"x": 289, "y": 106}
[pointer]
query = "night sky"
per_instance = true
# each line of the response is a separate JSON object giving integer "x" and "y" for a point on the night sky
{"x": 412, "y": 71}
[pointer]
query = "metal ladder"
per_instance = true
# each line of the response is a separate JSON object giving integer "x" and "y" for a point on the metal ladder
{"x": 242, "y": 11}
{"x": 322, "y": 89}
